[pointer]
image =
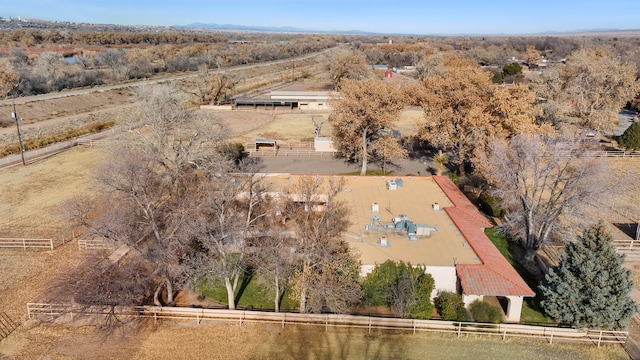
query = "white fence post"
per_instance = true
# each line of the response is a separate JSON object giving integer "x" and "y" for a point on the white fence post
{"x": 600, "y": 338}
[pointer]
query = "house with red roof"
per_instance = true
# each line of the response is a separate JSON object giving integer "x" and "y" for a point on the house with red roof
{"x": 427, "y": 221}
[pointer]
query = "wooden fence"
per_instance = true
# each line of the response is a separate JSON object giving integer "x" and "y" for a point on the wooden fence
{"x": 7, "y": 326}
{"x": 95, "y": 244}
{"x": 240, "y": 317}
{"x": 25, "y": 243}
{"x": 630, "y": 248}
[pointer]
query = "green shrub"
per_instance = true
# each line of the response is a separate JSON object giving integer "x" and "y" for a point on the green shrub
{"x": 453, "y": 175}
{"x": 379, "y": 283}
{"x": 490, "y": 205}
{"x": 404, "y": 288}
{"x": 512, "y": 69}
{"x": 485, "y": 313}
{"x": 450, "y": 306}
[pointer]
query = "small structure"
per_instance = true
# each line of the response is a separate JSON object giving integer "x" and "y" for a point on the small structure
{"x": 323, "y": 144}
{"x": 388, "y": 74}
{"x": 263, "y": 142}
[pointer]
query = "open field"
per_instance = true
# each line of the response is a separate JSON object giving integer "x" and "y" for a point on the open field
{"x": 258, "y": 341}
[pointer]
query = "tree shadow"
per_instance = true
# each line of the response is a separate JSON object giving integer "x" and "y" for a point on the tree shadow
{"x": 629, "y": 229}
{"x": 246, "y": 279}
{"x": 316, "y": 342}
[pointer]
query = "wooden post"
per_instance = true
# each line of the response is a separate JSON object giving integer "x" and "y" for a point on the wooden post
{"x": 459, "y": 328}
{"x": 28, "y": 311}
{"x": 504, "y": 333}
{"x": 551, "y": 339}
{"x": 600, "y": 338}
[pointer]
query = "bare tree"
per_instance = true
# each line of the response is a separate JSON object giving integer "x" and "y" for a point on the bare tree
{"x": 116, "y": 60}
{"x": 463, "y": 108}
{"x": 542, "y": 181}
{"x": 231, "y": 207}
{"x": 363, "y": 110}
{"x": 150, "y": 182}
{"x": 588, "y": 91}
{"x": 327, "y": 274}
{"x": 8, "y": 82}
{"x": 347, "y": 64}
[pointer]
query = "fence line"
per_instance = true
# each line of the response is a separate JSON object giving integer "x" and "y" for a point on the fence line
{"x": 239, "y": 317}
{"x": 294, "y": 152}
{"x": 94, "y": 244}
{"x": 26, "y": 243}
{"x": 629, "y": 248}
{"x": 605, "y": 153}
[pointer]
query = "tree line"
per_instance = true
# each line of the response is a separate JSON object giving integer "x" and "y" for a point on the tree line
{"x": 55, "y": 70}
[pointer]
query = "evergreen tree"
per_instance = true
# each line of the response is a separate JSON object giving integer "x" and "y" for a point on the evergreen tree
{"x": 590, "y": 288}
{"x": 630, "y": 140}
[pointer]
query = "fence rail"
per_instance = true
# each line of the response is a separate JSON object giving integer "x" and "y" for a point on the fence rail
{"x": 95, "y": 244}
{"x": 629, "y": 248}
{"x": 550, "y": 334}
{"x": 7, "y": 325}
{"x": 25, "y": 243}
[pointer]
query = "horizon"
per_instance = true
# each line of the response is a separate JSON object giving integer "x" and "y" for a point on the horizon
{"x": 409, "y": 18}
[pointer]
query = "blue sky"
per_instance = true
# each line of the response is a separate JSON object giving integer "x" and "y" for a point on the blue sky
{"x": 405, "y": 17}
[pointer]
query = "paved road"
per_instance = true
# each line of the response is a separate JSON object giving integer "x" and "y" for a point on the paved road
{"x": 103, "y": 88}
{"x": 625, "y": 119}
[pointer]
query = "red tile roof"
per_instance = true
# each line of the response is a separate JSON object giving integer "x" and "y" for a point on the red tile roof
{"x": 495, "y": 276}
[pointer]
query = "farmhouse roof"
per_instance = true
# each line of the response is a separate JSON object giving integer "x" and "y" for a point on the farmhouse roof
{"x": 495, "y": 276}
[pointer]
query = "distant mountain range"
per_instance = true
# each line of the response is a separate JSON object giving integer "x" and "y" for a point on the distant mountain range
{"x": 268, "y": 29}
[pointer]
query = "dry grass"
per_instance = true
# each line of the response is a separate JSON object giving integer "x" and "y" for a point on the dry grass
{"x": 262, "y": 341}
{"x": 287, "y": 127}
{"x": 299, "y": 127}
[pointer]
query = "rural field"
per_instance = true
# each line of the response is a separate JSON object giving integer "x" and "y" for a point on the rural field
{"x": 32, "y": 197}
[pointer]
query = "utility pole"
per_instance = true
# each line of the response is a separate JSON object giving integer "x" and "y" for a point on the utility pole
{"x": 293, "y": 71}
{"x": 14, "y": 115}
